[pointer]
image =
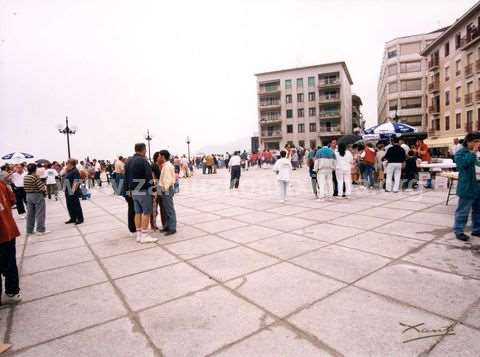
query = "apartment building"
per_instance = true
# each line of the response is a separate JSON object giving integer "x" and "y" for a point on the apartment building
{"x": 402, "y": 84}
{"x": 453, "y": 81}
{"x": 304, "y": 106}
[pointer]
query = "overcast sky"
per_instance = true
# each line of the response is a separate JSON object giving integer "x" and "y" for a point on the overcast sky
{"x": 178, "y": 68}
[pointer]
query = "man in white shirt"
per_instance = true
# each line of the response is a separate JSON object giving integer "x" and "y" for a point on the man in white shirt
{"x": 21, "y": 197}
{"x": 404, "y": 146}
{"x": 166, "y": 182}
{"x": 51, "y": 177}
{"x": 283, "y": 169}
{"x": 98, "y": 169}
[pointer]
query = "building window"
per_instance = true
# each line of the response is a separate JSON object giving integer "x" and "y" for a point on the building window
{"x": 409, "y": 103}
{"x": 300, "y": 97}
{"x": 393, "y": 87}
{"x": 311, "y": 82}
{"x": 312, "y": 111}
{"x": 392, "y": 69}
{"x": 469, "y": 127}
{"x": 288, "y": 98}
{"x": 299, "y": 82}
{"x": 289, "y": 129}
{"x": 458, "y": 94}
{"x": 458, "y": 120}
{"x": 447, "y": 49}
{"x": 411, "y": 84}
{"x": 301, "y": 128}
{"x": 458, "y": 67}
{"x": 393, "y": 104}
{"x": 392, "y": 53}
{"x": 447, "y": 74}
{"x": 288, "y": 84}
{"x": 311, "y": 96}
{"x": 289, "y": 113}
{"x": 300, "y": 113}
{"x": 408, "y": 67}
{"x": 447, "y": 122}
{"x": 436, "y": 124}
{"x": 312, "y": 127}
{"x": 409, "y": 48}
{"x": 447, "y": 98}
{"x": 458, "y": 40}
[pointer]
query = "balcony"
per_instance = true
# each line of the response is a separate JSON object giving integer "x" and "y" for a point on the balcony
{"x": 433, "y": 109}
{"x": 325, "y": 130}
{"x": 329, "y": 114}
{"x": 433, "y": 65}
{"x": 269, "y": 105}
{"x": 434, "y": 86}
{"x": 263, "y": 90}
{"x": 468, "y": 98}
{"x": 277, "y": 134}
{"x": 329, "y": 99}
{"x": 328, "y": 83}
{"x": 468, "y": 70}
{"x": 472, "y": 37}
{"x": 477, "y": 96}
{"x": 272, "y": 120}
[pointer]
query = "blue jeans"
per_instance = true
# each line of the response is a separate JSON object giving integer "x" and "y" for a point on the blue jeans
{"x": 170, "y": 215}
{"x": 461, "y": 214}
{"x": 367, "y": 175}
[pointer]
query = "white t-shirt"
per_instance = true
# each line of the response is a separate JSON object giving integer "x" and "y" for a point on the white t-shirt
{"x": 97, "y": 167}
{"x": 50, "y": 174}
{"x": 405, "y": 148}
{"x": 17, "y": 179}
{"x": 344, "y": 163}
{"x": 234, "y": 161}
{"x": 284, "y": 168}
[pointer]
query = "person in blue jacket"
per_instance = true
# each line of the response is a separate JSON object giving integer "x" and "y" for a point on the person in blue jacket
{"x": 468, "y": 187}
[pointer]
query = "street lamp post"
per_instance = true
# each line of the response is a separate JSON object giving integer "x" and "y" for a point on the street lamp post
{"x": 149, "y": 138}
{"x": 188, "y": 147}
{"x": 67, "y": 131}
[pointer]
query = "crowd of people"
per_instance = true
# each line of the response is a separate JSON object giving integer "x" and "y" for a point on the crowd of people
{"x": 148, "y": 187}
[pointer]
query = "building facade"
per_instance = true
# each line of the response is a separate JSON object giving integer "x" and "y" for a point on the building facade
{"x": 453, "y": 93}
{"x": 304, "y": 106}
{"x": 358, "y": 123}
{"x": 402, "y": 83}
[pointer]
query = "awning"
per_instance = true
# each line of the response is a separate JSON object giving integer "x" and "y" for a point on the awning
{"x": 443, "y": 142}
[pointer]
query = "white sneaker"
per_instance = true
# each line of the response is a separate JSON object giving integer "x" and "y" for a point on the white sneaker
{"x": 42, "y": 233}
{"x": 12, "y": 299}
{"x": 139, "y": 237}
{"x": 147, "y": 239}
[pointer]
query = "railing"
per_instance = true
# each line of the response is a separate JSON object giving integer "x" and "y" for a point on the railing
{"x": 469, "y": 38}
{"x": 328, "y": 82}
{"x": 266, "y": 90}
{"x": 269, "y": 120}
{"x": 330, "y": 129}
{"x": 433, "y": 109}
{"x": 328, "y": 98}
{"x": 477, "y": 96}
{"x": 323, "y": 115}
{"x": 271, "y": 134}
{"x": 269, "y": 104}
{"x": 434, "y": 86}
{"x": 468, "y": 70}
{"x": 468, "y": 99}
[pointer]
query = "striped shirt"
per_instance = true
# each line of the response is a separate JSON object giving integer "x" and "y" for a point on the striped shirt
{"x": 33, "y": 183}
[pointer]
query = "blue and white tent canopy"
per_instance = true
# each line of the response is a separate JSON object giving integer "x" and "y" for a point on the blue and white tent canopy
{"x": 389, "y": 129}
{"x": 17, "y": 157}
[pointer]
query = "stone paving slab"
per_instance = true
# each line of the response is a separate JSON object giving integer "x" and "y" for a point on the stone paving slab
{"x": 246, "y": 275}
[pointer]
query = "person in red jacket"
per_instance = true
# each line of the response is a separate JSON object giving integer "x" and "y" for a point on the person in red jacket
{"x": 8, "y": 261}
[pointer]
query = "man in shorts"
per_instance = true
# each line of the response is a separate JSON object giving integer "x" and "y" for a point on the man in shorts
{"x": 138, "y": 178}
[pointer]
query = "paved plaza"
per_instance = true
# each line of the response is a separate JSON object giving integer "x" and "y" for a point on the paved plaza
{"x": 246, "y": 275}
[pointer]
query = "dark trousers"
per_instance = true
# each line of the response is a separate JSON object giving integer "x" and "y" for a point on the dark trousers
{"x": 235, "y": 176}
{"x": 170, "y": 215}
{"x": 8, "y": 268}
{"x": 74, "y": 208}
{"x": 335, "y": 184}
{"x": 163, "y": 217}
{"x": 21, "y": 198}
{"x": 97, "y": 178}
{"x": 131, "y": 214}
